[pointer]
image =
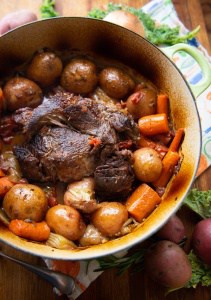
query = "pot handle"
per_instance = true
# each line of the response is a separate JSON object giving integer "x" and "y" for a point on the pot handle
{"x": 197, "y": 89}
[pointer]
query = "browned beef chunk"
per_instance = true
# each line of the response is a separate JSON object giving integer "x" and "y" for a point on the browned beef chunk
{"x": 22, "y": 116}
{"x": 50, "y": 112}
{"x": 115, "y": 177}
{"x": 69, "y": 136}
{"x": 88, "y": 116}
{"x": 57, "y": 154}
{"x": 100, "y": 120}
{"x": 30, "y": 164}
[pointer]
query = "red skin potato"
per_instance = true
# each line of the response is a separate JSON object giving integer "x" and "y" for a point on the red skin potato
{"x": 201, "y": 240}
{"x": 173, "y": 230}
{"x": 166, "y": 263}
{"x": 15, "y": 19}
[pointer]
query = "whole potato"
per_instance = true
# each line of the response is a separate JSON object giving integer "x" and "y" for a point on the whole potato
{"x": 21, "y": 92}
{"x": 116, "y": 83}
{"x": 173, "y": 230}
{"x": 45, "y": 68}
{"x": 25, "y": 201}
{"x": 109, "y": 217}
{"x": 66, "y": 221}
{"x": 79, "y": 76}
{"x": 147, "y": 164}
{"x": 166, "y": 263}
{"x": 15, "y": 19}
{"x": 126, "y": 19}
{"x": 142, "y": 103}
{"x": 201, "y": 240}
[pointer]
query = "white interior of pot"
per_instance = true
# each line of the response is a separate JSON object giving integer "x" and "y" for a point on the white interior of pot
{"x": 113, "y": 41}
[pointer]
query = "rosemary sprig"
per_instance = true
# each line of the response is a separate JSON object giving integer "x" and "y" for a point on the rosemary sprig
{"x": 133, "y": 260}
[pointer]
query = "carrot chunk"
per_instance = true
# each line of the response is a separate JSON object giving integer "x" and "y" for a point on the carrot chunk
{"x": 142, "y": 202}
{"x": 34, "y": 231}
{"x": 153, "y": 124}
{"x": 162, "y": 104}
{"x": 1, "y": 100}
{"x": 2, "y": 173}
{"x": 5, "y": 185}
{"x": 174, "y": 146}
{"x": 169, "y": 161}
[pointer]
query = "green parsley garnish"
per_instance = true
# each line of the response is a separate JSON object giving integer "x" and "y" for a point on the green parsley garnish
{"x": 47, "y": 9}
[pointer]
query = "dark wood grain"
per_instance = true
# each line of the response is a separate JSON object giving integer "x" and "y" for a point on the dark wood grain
{"x": 191, "y": 14}
{"x": 18, "y": 284}
{"x": 206, "y": 9}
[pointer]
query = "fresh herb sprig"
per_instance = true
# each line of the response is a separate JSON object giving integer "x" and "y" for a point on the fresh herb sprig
{"x": 158, "y": 35}
{"x": 47, "y": 9}
{"x": 134, "y": 261}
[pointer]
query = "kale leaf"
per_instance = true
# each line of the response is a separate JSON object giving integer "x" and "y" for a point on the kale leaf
{"x": 199, "y": 202}
{"x": 201, "y": 273}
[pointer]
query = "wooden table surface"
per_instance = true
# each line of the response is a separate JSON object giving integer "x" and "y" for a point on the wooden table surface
{"x": 18, "y": 284}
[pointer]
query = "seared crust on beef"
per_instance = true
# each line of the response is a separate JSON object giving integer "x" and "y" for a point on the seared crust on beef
{"x": 115, "y": 177}
{"x": 57, "y": 154}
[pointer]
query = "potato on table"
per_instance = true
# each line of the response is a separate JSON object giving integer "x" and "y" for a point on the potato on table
{"x": 15, "y": 19}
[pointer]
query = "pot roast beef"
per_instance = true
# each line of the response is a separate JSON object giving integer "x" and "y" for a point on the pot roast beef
{"x": 82, "y": 114}
{"x": 49, "y": 112}
{"x": 57, "y": 154}
{"x": 114, "y": 178}
{"x": 69, "y": 137}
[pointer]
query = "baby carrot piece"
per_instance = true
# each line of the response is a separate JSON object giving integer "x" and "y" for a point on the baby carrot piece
{"x": 142, "y": 202}
{"x": 153, "y": 124}
{"x": 174, "y": 146}
{"x": 5, "y": 185}
{"x": 162, "y": 104}
{"x": 169, "y": 161}
{"x": 33, "y": 231}
{"x": 1, "y": 173}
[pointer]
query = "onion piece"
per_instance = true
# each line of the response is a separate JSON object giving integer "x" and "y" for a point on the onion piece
{"x": 81, "y": 195}
{"x": 4, "y": 218}
{"x": 92, "y": 236}
{"x": 10, "y": 164}
{"x": 127, "y": 227}
{"x": 59, "y": 242}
